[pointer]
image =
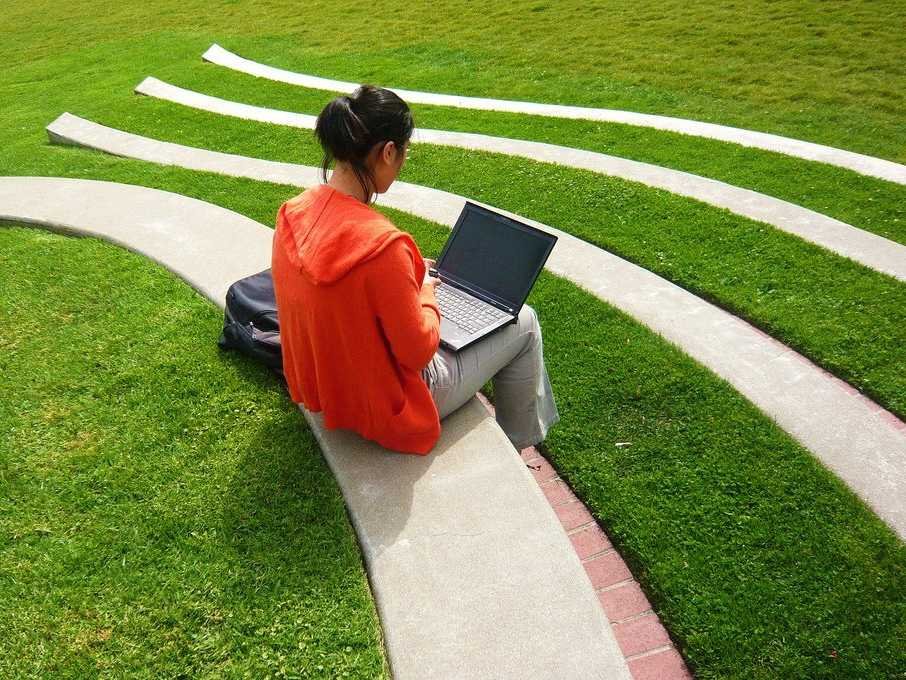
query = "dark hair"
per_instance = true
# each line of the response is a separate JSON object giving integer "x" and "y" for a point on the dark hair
{"x": 350, "y": 126}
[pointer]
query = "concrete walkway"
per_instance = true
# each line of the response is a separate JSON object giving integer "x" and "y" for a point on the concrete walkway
{"x": 862, "y": 443}
{"x": 863, "y": 164}
{"x": 862, "y": 246}
{"x": 453, "y": 541}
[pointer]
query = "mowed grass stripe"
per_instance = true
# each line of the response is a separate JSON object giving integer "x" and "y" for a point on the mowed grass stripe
{"x": 877, "y": 253}
{"x": 873, "y": 205}
{"x": 843, "y": 316}
{"x": 163, "y": 509}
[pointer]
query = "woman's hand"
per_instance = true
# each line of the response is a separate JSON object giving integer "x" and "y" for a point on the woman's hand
{"x": 430, "y": 280}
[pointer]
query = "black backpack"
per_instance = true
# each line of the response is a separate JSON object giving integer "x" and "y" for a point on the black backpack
{"x": 250, "y": 322}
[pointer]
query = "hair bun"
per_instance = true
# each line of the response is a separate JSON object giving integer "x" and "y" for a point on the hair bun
{"x": 351, "y": 124}
{"x": 341, "y": 131}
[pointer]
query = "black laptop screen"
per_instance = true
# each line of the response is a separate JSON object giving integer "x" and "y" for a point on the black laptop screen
{"x": 495, "y": 254}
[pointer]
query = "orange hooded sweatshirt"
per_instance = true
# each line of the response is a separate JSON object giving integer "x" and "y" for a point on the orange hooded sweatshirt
{"x": 356, "y": 324}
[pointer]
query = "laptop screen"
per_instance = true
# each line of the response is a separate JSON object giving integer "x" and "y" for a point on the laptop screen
{"x": 496, "y": 255}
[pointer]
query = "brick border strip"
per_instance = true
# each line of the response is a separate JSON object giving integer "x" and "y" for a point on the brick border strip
{"x": 643, "y": 639}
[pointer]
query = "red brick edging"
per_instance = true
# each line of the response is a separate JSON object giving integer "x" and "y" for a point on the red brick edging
{"x": 642, "y": 638}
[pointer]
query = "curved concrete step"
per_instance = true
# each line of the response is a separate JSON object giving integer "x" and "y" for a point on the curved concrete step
{"x": 861, "y": 163}
{"x": 862, "y": 443}
{"x": 864, "y": 247}
{"x": 452, "y": 541}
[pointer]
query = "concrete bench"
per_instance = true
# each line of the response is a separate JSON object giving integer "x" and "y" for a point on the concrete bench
{"x": 471, "y": 571}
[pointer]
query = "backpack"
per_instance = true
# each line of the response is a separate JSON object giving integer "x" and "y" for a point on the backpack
{"x": 250, "y": 322}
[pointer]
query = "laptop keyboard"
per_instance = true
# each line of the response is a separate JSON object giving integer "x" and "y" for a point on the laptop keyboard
{"x": 470, "y": 314}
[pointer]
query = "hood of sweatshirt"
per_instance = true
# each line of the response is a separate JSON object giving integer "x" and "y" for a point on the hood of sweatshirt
{"x": 327, "y": 233}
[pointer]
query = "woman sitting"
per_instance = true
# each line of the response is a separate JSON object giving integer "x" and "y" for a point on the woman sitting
{"x": 359, "y": 321}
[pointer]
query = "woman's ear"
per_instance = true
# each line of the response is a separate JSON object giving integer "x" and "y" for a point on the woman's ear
{"x": 389, "y": 153}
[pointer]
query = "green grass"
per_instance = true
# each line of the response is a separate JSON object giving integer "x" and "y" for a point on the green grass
{"x": 868, "y": 203}
{"x": 841, "y": 315}
{"x": 761, "y": 563}
{"x": 755, "y": 557}
{"x": 818, "y": 71}
{"x": 163, "y": 509}
{"x": 759, "y": 560}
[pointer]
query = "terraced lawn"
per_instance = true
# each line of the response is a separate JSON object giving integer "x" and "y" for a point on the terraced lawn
{"x": 845, "y": 317}
{"x": 147, "y": 491}
{"x": 791, "y": 542}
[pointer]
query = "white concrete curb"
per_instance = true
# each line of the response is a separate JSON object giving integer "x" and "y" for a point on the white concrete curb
{"x": 873, "y": 251}
{"x": 859, "y": 441}
{"x": 472, "y": 572}
{"x": 863, "y": 164}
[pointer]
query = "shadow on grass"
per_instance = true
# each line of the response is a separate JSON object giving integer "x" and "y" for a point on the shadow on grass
{"x": 288, "y": 542}
{"x": 281, "y": 493}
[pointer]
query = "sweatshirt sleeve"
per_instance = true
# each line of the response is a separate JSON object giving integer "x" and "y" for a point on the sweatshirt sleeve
{"x": 406, "y": 310}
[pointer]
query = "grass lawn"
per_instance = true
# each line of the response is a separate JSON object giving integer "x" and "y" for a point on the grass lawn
{"x": 759, "y": 561}
{"x": 872, "y": 204}
{"x": 843, "y": 316}
{"x": 163, "y": 510}
{"x": 822, "y": 72}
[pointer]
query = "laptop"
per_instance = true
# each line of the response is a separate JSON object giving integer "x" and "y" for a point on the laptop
{"x": 487, "y": 268}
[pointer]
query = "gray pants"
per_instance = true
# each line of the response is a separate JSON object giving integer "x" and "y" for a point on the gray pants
{"x": 513, "y": 359}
